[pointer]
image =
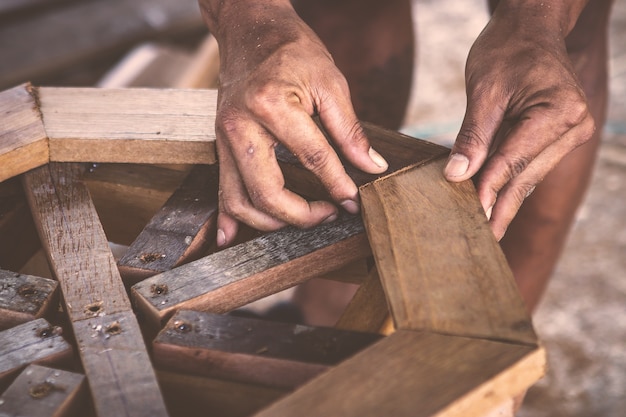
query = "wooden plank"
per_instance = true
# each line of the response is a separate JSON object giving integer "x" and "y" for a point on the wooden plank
{"x": 86, "y": 30}
{"x": 420, "y": 375}
{"x": 33, "y": 342}
{"x": 113, "y": 354}
{"x": 438, "y": 260}
{"x": 252, "y": 270}
{"x": 23, "y": 140}
{"x": 250, "y": 350}
{"x": 44, "y": 392}
{"x": 180, "y": 232}
{"x": 130, "y": 125}
{"x": 24, "y": 298}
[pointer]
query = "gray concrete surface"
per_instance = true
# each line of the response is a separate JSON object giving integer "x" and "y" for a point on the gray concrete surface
{"x": 582, "y": 318}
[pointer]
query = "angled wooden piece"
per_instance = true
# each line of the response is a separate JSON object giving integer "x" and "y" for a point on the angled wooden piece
{"x": 129, "y": 125}
{"x": 34, "y": 342}
{"x": 252, "y": 270}
{"x": 23, "y": 140}
{"x": 438, "y": 260}
{"x": 24, "y": 298}
{"x": 40, "y": 391}
{"x": 113, "y": 354}
{"x": 420, "y": 375}
{"x": 180, "y": 232}
{"x": 281, "y": 355}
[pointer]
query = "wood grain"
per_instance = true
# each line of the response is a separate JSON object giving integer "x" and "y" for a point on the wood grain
{"x": 25, "y": 297}
{"x": 281, "y": 355}
{"x": 44, "y": 392}
{"x": 244, "y": 273}
{"x": 130, "y": 125}
{"x": 23, "y": 140}
{"x": 438, "y": 260}
{"x": 113, "y": 354}
{"x": 421, "y": 375}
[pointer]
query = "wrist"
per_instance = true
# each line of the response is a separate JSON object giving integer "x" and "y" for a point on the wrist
{"x": 545, "y": 15}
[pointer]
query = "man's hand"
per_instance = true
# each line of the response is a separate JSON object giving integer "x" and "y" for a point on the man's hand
{"x": 275, "y": 75}
{"x": 526, "y": 110}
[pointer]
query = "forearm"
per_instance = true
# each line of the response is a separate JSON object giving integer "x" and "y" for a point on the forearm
{"x": 560, "y": 15}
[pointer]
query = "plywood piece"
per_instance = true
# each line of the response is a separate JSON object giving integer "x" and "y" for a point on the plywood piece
{"x": 130, "y": 125}
{"x": 252, "y": 270}
{"x": 180, "y": 232}
{"x": 438, "y": 260}
{"x": 113, "y": 354}
{"x": 43, "y": 392}
{"x": 23, "y": 140}
{"x": 24, "y": 298}
{"x": 419, "y": 374}
{"x": 281, "y": 355}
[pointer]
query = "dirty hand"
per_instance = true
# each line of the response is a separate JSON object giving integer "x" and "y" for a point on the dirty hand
{"x": 526, "y": 111}
{"x": 275, "y": 75}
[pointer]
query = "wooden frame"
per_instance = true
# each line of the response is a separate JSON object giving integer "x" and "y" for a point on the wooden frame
{"x": 463, "y": 341}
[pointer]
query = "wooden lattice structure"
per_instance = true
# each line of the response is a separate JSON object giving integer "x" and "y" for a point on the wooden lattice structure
{"x": 463, "y": 342}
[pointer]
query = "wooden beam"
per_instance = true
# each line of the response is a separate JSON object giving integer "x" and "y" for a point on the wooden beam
{"x": 439, "y": 262}
{"x": 113, "y": 354}
{"x": 263, "y": 352}
{"x": 180, "y": 232}
{"x": 420, "y": 375}
{"x": 23, "y": 140}
{"x": 44, "y": 392}
{"x": 252, "y": 270}
{"x": 24, "y": 298}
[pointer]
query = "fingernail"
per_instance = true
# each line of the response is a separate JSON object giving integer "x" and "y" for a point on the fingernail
{"x": 488, "y": 212}
{"x": 350, "y": 206}
{"x": 221, "y": 237}
{"x": 330, "y": 218}
{"x": 377, "y": 158}
{"x": 457, "y": 165}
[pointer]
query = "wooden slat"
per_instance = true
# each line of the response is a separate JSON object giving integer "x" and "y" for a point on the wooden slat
{"x": 86, "y": 30}
{"x": 244, "y": 273}
{"x": 256, "y": 351}
{"x": 180, "y": 232}
{"x": 44, "y": 392}
{"x": 129, "y": 125}
{"x": 33, "y": 342}
{"x": 438, "y": 260}
{"x": 419, "y": 375}
{"x": 24, "y": 298}
{"x": 23, "y": 140}
{"x": 111, "y": 346}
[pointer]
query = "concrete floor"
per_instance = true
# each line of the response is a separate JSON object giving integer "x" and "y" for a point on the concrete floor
{"x": 582, "y": 318}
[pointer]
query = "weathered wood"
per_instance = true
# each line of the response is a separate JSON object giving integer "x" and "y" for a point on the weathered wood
{"x": 438, "y": 260}
{"x": 113, "y": 354}
{"x": 34, "y": 342}
{"x": 44, "y": 392}
{"x": 86, "y": 30}
{"x": 180, "y": 232}
{"x": 252, "y": 270}
{"x": 256, "y": 351}
{"x": 129, "y": 125}
{"x": 23, "y": 140}
{"x": 24, "y": 298}
{"x": 419, "y": 374}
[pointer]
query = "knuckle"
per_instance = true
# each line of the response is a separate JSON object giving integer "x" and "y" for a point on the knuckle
{"x": 227, "y": 122}
{"x": 316, "y": 160}
{"x": 516, "y": 166}
{"x": 472, "y": 135}
{"x": 233, "y": 206}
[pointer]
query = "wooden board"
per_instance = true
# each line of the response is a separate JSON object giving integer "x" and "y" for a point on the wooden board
{"x": 267, "y": 353}
{"x": 110, "y": 343}
{"x": 180, "y": 232}
{"x": 44, "y": 392}
{"x": 252, "y": 270}
{"x": 23, "y": 140}
{"x": 419, "y": 375}
{"x": 24, "y": 298}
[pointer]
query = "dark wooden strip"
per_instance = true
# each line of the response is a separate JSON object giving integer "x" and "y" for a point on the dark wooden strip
{"x": 180, "y": 232}
{"x": 44, "y": 392}
{"x": 250, "y": 350}
{"x": 265, "y": 265}
{"x": 24, "y": 298}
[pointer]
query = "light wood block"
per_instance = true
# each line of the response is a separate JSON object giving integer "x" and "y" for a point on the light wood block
{"x": 24, "y": 298}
